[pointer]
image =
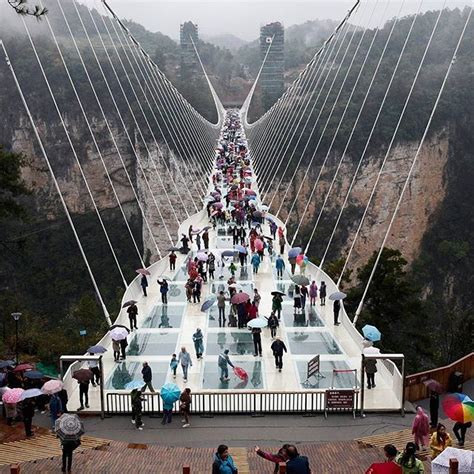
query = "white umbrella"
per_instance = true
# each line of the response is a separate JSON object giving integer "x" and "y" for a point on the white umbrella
{"x": 465, "y": 458}
{"x": 257, "y": 323}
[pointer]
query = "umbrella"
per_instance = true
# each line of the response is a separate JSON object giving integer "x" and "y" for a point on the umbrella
{"x": 237, "y": 286}
{"x": 300, "y": 279}
{"x": 338, "y": 295}
{"x": 434, "y": 385}
{"x": 206, "y": 228}
{"x": 173, "y": 249}
{"x": 257, "y": 323}
{"x": 31, "y": 393}
{"x": 52, "y": 386}
{"x": 170, "y": 393}
{"x": 241, "y": 373}
{"x": 6, "y": 363}
{"x": 196, "y": 231}
{"x": 465, "y": 458}
{"x": 208, "y": 302}
{"x": 257, "y": 214}
{"x": 240, "y": 248}
{"x": 214, "y": 213}
{"x": 218, "y": 205}
{"x": 241, "y": 297}
{"x": 143, "y": 271}
{"x": 129, "y": 303}
{"x": 119, "y": 326}
{"x": 202, "y": 256}
{"x": 371, "y": 350}
{"x": 459, "y": 407}
{"x": 69, "y": 427}
{"x": 276, "y": 292}
{"x": 12, "y": 396}
{"x": 258, "y": 244}
{"x": 270, "y": 219}
{"x": 371, "y": 333}
{"x": 118, "y": 334}
{"x": 82, "y": 375}
{"x": 134, "y": 384}
{"x": 23, "y": 367}
{"x": 268, "y": 237}
{"x": 228, "y": 253}
{"x": 34, "y": 374}
{"x": 96, "y": 350}
{"x": 294, "y": 252}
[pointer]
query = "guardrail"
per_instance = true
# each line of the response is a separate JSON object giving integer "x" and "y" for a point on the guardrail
{"x": 415, "y": 389}
{"x": 244, "y": 402}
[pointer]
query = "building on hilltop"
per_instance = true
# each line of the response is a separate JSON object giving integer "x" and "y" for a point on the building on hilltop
{"x": 189, "y": 61}
{"x": 271, "y": 78}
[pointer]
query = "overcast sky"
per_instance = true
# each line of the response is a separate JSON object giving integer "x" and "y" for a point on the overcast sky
{"x": 244, "y": 18}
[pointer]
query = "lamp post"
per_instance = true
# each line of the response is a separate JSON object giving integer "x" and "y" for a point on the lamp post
{"x": 16, "y": 317}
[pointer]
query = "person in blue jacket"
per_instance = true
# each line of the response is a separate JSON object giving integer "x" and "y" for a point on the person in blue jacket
{"x": 223, "y": 462}
{"x": 280, "y": 266}
{"x": 255, "y": 261}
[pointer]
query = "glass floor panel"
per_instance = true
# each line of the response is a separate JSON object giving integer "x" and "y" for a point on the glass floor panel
{"x": 238, "y": 343}
{"x": 125, "y": 372}
{"x": 213, "y": 316}
{"x": 309, "y": 318}
{"x": 312, "y": 343}
{"x": 163, "y": 343}
{"x": 242, "y": 273}
{"x": 247, "y": 287}
{"x": 176, "y": 293}
{"x": 342, "y": 380}
{"x": 286, "y": 271}
{"x": 165, "y": 316}
{"x": 253, "y": 369}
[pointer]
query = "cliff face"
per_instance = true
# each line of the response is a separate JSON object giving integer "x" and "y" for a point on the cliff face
{"x": 425, "y": 193}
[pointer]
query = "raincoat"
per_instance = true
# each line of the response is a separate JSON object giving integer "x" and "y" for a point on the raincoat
{"x": 421, "y": 427}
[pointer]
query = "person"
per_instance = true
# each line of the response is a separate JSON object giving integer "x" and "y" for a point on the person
{"x": 83, "y": 394}
{"x": 197, "y": 290}
{"x": 185, "y": 359}
{"x": 255, "y": 261}
{"x": 185, "y": 406}
{"x": 221, "y": 308}
{"x": 223, "y": 362}
{"x": 276, "y": 304}
{"x": 116, "y": 349}
{"x": 297, "y": 300}
{"x": 336, "y": 308}
{"x": 241, "y": 315}
{"x": 223, "y": 462}
{"x": 174, "y": 365}
{"x": 164, "y": 288}
{"x": 304, "y": 296}
{"x": 63, "y": 396}
{"x": 370, "y": 370}
{"x": 190, "y": 233}
{"x": 292, "y": 261}
{"x": 189, "y": 287}
{"x": 147, "y": 376}
{"x": 56, "y": 408}
{"x": 123, "y": 348}
{"x": 205, "y": 239}
{"x": 439, "y": 441}
{"x": 198, "y": 242}
{"x": 278, "y": 346}
{"x": 167, "y": 411}
{"x": 389, "y": 466}
{"x": 256, "y": 297}
{"x": 68, "y": 446}
{"x": 434, "y": 408}
{"x": 296, "y": 463}
{"x": 281, "y": 241}
{"x": 280, "y": 457}
{"x": 420, "y": 428}
{"x": 184, "y": 241}
{"x": 273, "y": 324}
{"x": 198, "y": 343}
{"x": 211, "y": 265}
{"x": 137, "y": 399}
{"x": 257, "y": 341}
{"x": 172, "y": 258}
{"x": 459, "y": 430}
{"x": 252, "y": 311}
{"x": 94, "y": 367}
{"x": 409, "y": 462}
{"x": 313, "y": 293}
{"x": 28, "y": 412}
{"x": 390, "y": 452}
{"x": 132, "y": 311}
{"x": 232, "y": 268}
{"x": 144, "y": 284}
{"x": 322, "y": 293}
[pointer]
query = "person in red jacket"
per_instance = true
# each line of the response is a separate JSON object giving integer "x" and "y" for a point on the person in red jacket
{"x": 281, "y": 456}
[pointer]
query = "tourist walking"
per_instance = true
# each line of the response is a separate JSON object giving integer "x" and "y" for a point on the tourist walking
{"x": 68, "y": 446}
{"x": 221, "y": 308}
{"x": 336, "y": 308}
{"x": 408, "y": 461}
{"x": 123, "y": 348}
{"x": 296, "y": 463}
{"x": 280, "y": 457}
{"x": 223, "y": 362}
{"x": 116, "y": 349}
{"x": 174, "y": 365}
{"x": 459, "y": 430}
{"x": 83, "y": 394}
{"x": 94, "y": 367}
{"x": 198, "y": 242}
{"x": 322, "y": 293}
{"x": 56, "y": 407}
{"x": 257, "y": 341}
{"x": 164, "y": 288}
{"x": 439, "y": 441}
{"x": 297, "y": 300}
{"x": 28, "y": 412}
{"x": 304, "y": 295}
{"x": 277, "y": 300}
{"x": 273, "y": 324}
{"x": 370, "y": 370}
{"x": 211, "y": 265}
{"x": 198, "y": 339}
{"x": 132, "y": 311}
{"x": 255, "y": 261}
{"x": 421, "y": 428}
{"x": 147, "y": 376}
{"x": 223, "y": 462}
{"x": 313, "y": 293}
{"x": 185, "y": 406}
{"x": 256, "y": 297}
{"x": 205, "y": 239}
{"x": 136, "y": 400}
{"x": 172, "y": 258}
{"x": 185, "y": 360}
{"x": 434, "y": 408}
{"x": 144, "y": 284}
{"x": 278, "y": 347}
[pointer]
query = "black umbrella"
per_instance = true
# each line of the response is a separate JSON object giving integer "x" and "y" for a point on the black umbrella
{"x": 173, "y": 249}
{"x": 128, "y": 303}
{"x": 276, "y": 292}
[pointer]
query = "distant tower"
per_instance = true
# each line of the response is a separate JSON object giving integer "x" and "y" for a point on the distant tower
{"x": 271, "y": 79}
{"x": 189, "y": 61}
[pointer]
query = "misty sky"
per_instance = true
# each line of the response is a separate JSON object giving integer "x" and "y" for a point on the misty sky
{"x": 244, "y": 18}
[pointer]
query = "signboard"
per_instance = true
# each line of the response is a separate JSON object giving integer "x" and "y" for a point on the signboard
{"x": 313, "y": 366}
{"x": 343, "y": 399}
{"x": 82, "y": 332}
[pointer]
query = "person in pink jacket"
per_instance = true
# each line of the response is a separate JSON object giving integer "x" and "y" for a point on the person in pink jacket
{"x": 313, "y": 293}
{"x": 421, "y": 428}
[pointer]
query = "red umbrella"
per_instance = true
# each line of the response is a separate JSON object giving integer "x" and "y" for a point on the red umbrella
{"x": 239, "y": 372}
{"x": 459, "y": 407}
{"x": 241, "y": 297}
{"x": 143, "y": 271}
{"x": 258, "y": 244}
{"x": 23, "y": 367}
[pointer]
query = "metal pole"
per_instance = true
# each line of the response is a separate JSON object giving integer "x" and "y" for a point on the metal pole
{"x": 403, "y": 388}
{"x": 101, "y": 368}
{"x": 362, "y": 387}
{"x": 16, "y": 340}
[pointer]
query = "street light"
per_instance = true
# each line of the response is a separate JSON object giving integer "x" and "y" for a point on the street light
{"x": 16, "y": 317}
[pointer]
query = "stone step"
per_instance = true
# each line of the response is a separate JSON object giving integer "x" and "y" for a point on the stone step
{"x": 240, "y": 459}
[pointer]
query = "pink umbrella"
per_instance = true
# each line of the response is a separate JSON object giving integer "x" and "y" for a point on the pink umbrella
{"x": 202, "y": 256}
{"x": 213, "y": 213}
{"x": 258, "y": 244}
{"x": 52, "y": 386}
{"x": 241, "y": 297}
{"x": 143, "y": 271}
{"x": 196, "y": 231}
{"x": 12, "y": 396}
{"x": 218, "y": 205}
{"x": 299, "y": 259}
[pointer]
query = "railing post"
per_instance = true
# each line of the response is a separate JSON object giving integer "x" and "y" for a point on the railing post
{"x": 281, "y": 468}
{"x": 453, "y": 466}
{"x": 186, "y": 470}
{"x": 15, "y": 469}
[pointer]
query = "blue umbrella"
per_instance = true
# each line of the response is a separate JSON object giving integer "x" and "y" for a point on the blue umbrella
{"x": 208, "y": 302}
{"x": 33, "y": 374}
{"x": 6, "y": 363}
{"x": 240, "y": 248}
{"x": 96, "y": 350}
{"x": 294, "y": 252}
{"x": 31, "y": 393}
{"x": 371, "y": 333}
{"x": 227, "y": 253}
{"x": 170, "y": 393}
{"x": 134, "y": 384}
